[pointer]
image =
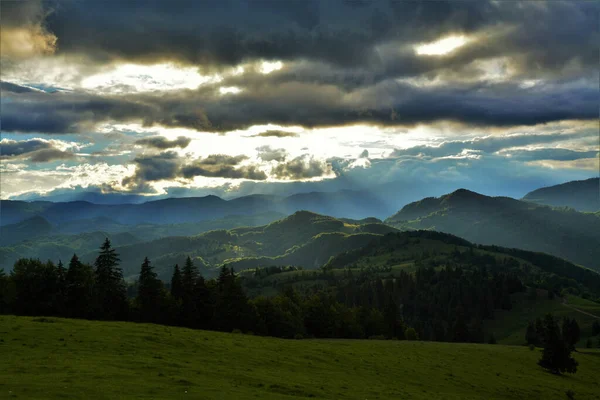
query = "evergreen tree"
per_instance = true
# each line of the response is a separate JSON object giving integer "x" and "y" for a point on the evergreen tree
{"x": 232, "y": 308}
{"x": 570, "y": 332}
{"x": 150, "y": 298}
{"x": 531, "y": 336}
{"x": 110, "y": 294}
{"x": 460, "y": 329}
{"x": 189, "y": 277}
{"x": 203, "y": 304}
{"x": 540, "y": 331}
{"x": 177, "y": 284}
{"x": 79, "y": 287}
{"x": 492, "y": 339}
{"x": 595, "y": 328}
{"x": 556, "y": 356}
{"x": 6, "y": 293}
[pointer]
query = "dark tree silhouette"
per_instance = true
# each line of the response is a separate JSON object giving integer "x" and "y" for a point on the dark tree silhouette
{"x": 150, "y": 297}
{"x": 177, "y": 284}
{"x": 556, "y": 356}
{"x": 80, "y": 288}
{"x": 110, "y": 291}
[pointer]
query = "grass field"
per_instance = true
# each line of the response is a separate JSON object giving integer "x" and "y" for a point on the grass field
{"x": 51, "y": 358}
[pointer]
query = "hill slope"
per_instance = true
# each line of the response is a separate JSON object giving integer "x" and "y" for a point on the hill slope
{"x": 57, "y": 358}
{"x": 507, "y": 222}
{"x": 580, "y": 195}
{"x": 303, "y": 239}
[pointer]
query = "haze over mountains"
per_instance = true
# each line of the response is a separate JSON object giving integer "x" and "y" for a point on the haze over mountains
{"x": 170, "y": 230}
{"x": 351, "y": 204}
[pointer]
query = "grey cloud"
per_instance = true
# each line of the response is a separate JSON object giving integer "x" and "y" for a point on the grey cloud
{"x": 276, "y": 133}
{"x": 221, "y": 159}
{"x": 164, "y": 166}
{"x": 222, "y": 166}
{"x": 372, "y": 36}
{"x": 162, "y": 143}
{"x": 46, "y": 155}
{"x": 9, "y": 148}
{"x": 170, "y": 166}
{"x": 223, "y": 171}
{"x": 14, "y": 88}
{"x": 549, "y": 154}
{"x": 310, "y": 105}
{"x": 302, "y": 167}
{"x": 267, "y": 153}
{"x": 35, "y": 150}
{"x": 490, "y": 144}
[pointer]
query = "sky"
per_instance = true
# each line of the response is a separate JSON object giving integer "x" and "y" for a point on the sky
{"x": 153, "y": 99}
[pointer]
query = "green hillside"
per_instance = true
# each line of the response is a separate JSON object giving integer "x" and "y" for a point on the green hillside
{"x": 507, "y": 222}
{"x": 51, "y": 358}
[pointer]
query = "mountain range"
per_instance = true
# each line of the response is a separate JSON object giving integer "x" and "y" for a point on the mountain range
{"x": 254, "y": 231}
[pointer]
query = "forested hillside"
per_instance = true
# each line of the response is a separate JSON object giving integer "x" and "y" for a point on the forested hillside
{"x": 580, "y": 195}
{"x": 507, "y": 222}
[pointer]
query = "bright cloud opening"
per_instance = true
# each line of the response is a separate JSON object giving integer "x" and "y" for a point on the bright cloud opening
{"x": 442, "y": 46}
{"x": 145, "y": 78}
{"x": 229, "y": 90}
{"x": 269, "y": 66}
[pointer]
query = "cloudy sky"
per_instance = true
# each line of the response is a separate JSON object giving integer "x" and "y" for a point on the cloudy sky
{"x": 157, "y": 98}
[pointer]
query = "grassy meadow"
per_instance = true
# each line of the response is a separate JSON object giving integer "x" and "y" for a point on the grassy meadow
{"x": 53, "y": 358}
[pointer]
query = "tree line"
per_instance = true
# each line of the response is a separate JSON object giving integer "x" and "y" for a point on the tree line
{"x": 448, "y": 303}
{"x": 98, "y": 291}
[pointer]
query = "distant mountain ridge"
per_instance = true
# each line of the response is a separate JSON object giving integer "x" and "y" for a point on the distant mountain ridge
{"x": 351, "y": 204}
{"x": 507, "y": 222}
{"x": 580, "y": 195}
{"x": 302, "y": 239}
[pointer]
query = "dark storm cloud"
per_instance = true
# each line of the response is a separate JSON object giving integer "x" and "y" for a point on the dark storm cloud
{"x": 306, "y": 104}
{"x": 345, "y": 58}
{"x": 34, "y": 150}
{"x": 302, "y": 167}
{"x": 14, "y": 88}
{"x": 10, "y": 148}
{"x": 162, "y": 143}
{"x": 342, "y": 33}
{"x": 222, "y": 166}
{"x": 164, "y": 166}
{"x": 65, "y": 112}
{"x": 170, "y": 166}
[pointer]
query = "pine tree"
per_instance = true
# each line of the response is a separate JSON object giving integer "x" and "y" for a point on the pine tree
{"x": 531, "y": 336}
{"x": 189, "y": 276}
{"x": 110, "y": 290}
{"x": 177, "y": 284}
{"x": 556, "y": 356}
{"x": 570, "y": 332}
{"x": 492, "y": 339}
{"x": 596, "y": 328}
{"x": 79, "y": 287}
{"x": 150, "y": 294}
{"x": 539, "y": 331}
